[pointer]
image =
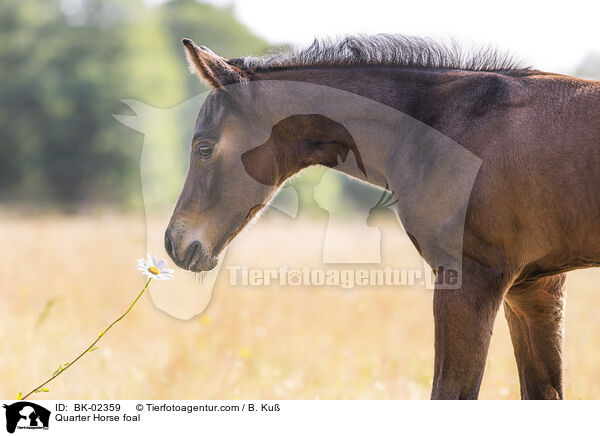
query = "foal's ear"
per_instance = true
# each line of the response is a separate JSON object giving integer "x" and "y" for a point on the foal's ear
{"x": 212, "y": 69}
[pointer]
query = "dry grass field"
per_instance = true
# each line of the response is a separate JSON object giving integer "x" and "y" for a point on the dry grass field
{"x": 63, "y": 279}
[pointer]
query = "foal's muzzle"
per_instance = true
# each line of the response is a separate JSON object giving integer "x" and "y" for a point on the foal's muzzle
{"x": 195, "y": 257}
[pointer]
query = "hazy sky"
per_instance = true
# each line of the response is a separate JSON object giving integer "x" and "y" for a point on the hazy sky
{"x": 549, "y": 35}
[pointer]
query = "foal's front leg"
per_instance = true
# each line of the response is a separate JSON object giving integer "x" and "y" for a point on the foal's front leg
{"x": 464, "y": 319}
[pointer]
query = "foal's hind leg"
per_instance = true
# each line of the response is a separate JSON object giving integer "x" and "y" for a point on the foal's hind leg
{"x": 535, "y": 314}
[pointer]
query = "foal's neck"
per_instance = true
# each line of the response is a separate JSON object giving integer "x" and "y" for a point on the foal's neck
{"x": 385, "y": 105}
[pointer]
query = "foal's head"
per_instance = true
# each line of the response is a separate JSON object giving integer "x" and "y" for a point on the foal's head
{"x": 218, "y": 197}
{"x": 242, "y": 151}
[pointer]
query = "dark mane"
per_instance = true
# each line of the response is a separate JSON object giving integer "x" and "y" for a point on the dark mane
{"x": 382, "y": 49}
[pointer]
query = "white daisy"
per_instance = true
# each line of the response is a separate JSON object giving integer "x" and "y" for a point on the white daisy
{"x": 154, "y": 268}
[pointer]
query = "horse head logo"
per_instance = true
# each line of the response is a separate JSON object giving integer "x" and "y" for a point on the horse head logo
{"x": 25, "y": 414}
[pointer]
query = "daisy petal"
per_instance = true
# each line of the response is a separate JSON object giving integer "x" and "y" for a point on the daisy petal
{"x": 157, "y": 265}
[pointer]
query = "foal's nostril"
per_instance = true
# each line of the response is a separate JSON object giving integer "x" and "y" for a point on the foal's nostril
{"x": 193, "y": 251}
{"x": 169, "y": 245}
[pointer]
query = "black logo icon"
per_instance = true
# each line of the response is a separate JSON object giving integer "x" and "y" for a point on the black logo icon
{"x": 26, "y": 415}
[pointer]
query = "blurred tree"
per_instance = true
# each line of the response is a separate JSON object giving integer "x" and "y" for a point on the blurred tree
{"x": 65, "y": 65}
{"x": 57, "y": 88}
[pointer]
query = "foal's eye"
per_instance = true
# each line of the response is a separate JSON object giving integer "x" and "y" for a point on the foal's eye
{"x": 204, "y": 149}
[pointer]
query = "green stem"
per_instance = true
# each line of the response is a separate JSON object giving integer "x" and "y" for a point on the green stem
{"x": 92, "y": 345}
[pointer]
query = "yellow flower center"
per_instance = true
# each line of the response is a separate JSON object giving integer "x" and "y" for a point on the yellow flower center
{"x": 154, "y": 270}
